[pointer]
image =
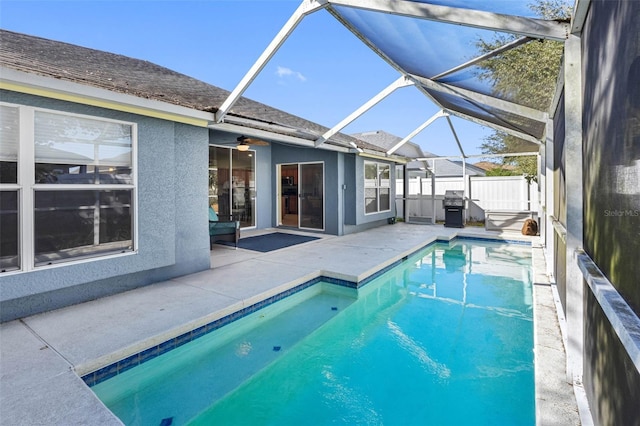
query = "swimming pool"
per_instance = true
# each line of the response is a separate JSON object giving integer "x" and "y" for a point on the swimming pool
{"x": 445, "y": 337}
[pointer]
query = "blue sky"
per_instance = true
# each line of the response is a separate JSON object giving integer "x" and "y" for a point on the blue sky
{"x": 322, "y": 72}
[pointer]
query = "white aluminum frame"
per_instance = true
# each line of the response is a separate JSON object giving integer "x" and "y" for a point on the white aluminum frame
{"x": 574, "y": 199}
{"x": 508, "y": 46}
{"x": 399, "y": 83}
{"x": 529, "y": 27}
{"x": 305, "y": 8}
{"x": 419, "y": 129}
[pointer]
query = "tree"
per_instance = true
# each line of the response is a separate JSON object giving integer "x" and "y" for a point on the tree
{"x": 500, "y": 171}
{"x": 525, "y": 75}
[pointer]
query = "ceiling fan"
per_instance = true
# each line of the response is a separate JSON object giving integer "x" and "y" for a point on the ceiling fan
{"x": 244, "y": 142}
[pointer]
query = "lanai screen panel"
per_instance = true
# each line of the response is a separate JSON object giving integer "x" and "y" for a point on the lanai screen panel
{"x": 507, "y": 7}
{"x": 478, "y": 79}
{"x": 491, "y": 115}
{"x": 418, "y": 46}
{"x": 426, "y": 48}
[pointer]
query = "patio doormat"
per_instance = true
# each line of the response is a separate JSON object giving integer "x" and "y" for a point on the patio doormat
{"x": 270, "y": 242}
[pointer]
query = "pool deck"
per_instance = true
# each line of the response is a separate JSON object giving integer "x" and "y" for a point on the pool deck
{"x": 43, "y": 356}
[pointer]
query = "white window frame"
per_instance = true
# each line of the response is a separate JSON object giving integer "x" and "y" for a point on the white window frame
{"x": 27, "y": 188}
{"x": 378, "y": 186}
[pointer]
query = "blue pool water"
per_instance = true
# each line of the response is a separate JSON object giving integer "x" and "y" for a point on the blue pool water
{"x": 445, "y": 338}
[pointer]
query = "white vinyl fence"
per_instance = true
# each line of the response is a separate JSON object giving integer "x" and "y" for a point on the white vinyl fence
{"x": 503, "y": 193}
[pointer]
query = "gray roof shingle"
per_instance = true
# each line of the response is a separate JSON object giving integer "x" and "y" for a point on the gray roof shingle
{"x": 147, "y": 80}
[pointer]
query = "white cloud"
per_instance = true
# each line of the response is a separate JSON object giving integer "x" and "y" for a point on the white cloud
{"x": 284, "y": 72}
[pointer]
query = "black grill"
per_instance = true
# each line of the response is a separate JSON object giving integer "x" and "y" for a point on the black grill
{"x": 453, "y": 205}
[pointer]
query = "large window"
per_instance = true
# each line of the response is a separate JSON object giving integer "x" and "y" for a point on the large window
{"x": 67, "y": 187}
{"x": 376, "y": 187}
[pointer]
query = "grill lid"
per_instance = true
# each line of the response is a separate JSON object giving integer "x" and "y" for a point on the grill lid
{"x": 453, "y": 198}
{"x": 453, "y": 194}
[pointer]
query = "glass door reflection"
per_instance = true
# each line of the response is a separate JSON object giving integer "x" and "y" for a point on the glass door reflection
{"x": 232, "y": 184}
{"x": 311, "y": 189}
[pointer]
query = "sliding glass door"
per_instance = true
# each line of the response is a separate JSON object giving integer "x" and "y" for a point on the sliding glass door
{"x": 232, "y": 184}
{"x": 312, "y": 196}
{"x": 302, "y": 195}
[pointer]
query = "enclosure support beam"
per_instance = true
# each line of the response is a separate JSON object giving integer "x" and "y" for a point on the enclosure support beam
{"x": 433, "y": 194}
{"x": 574, "y": 188}
{"x": 579, "y": 15}
{"x": 549, "y": 198}
{"x": 455, "y": 136}
{"x": 305, "y": 8}
{"x": 505, "y": 155}
{"x": 508, "y": 46}
{"x": 481, "y": 99}
{"x": 400, "y": 82}
{"x": 420, "y": 128}
{"x": 494, "y": 126}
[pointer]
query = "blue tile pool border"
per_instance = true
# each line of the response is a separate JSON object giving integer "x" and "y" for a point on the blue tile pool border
{"x": 490, "y": 240}
{"x": 112, "y": 370}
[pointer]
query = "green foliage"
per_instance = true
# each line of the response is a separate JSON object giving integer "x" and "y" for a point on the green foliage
{"x": 500, "y": 143}
{"x": 501, "y": 171}
{"x": 525, "y": 75}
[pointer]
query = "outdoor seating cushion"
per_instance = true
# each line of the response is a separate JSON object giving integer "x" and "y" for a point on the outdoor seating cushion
{"x": 218, "y": 227}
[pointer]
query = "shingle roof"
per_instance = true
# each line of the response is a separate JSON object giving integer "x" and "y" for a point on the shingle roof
{"x": 387, "y": 141}
{"x": 144, "y": 79}
{"x": 411, "y": 150}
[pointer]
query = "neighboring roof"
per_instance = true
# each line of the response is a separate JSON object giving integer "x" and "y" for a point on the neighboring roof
{"x": 386, "y": 141}
{"x": 443, "y": 167}
{"x": 471, "y": 169}
{"x": 147, "y": 80}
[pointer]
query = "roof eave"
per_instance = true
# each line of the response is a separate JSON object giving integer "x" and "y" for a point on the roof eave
{"x": 56, "y": 88}
{"x": 34, "y": 84}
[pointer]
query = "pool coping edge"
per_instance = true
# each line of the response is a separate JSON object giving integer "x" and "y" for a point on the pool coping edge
{"x": 110, "y": 365}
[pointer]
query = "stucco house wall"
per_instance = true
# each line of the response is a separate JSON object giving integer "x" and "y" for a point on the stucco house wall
{"x": 174, "y": 122}
{"x": 172, "y": 240}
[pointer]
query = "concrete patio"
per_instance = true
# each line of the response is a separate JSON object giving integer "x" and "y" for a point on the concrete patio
{"x": 43, "y": 356}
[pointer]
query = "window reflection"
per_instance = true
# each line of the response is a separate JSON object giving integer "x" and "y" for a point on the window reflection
{"x": 71, "y": 224}
{"x": 312, "y": 195}
{"x": 77, "y": 150}
{"x": 9, "y": 258}
{"x": 232, "y": 184}
{"x": 377, "y": 183}
{"x": 86, "y": 218}
{"x": 74, "y": 174}
{"x": 9, "y": 142}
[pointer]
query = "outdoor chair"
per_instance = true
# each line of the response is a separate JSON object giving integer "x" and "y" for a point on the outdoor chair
{"x": 222, "y": 230}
